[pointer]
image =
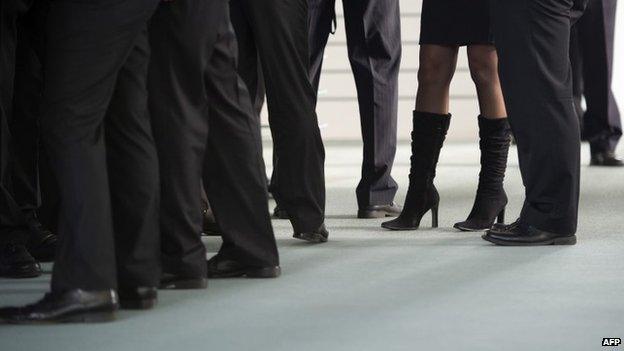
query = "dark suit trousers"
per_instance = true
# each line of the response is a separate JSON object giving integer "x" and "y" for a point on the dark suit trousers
{"x": 277, "y": 31}
{"x": 98, "y": 135}
{"x": 22, "y": 25}
{"x": 595, "y": 33}
{"x": 532, "y": 40}
{"x": 204, "y": 124}
{"x": 374, "y": 42}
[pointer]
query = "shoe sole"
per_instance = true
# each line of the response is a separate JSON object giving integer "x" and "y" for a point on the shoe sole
{"x": 144, "y": 304}
{"x": 186, "y": 284}
{"x": 365, "y": 214}
{"x": 314, "y": 238}
{"x": 399, "y": 229}
{"x": 88, "y": 317}
{"x": 603, "y": 165}
{"x": 465, "y": 229}
{"x": 260, "y": 273}
{"x": 22, "y": 275}
{"x": 570, "y": 240}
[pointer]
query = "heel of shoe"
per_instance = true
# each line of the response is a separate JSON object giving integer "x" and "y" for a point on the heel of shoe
{"x": 138, "y": 304}
{"x": 501, "y": 216}
{"x": 568, "y": 240}
{"x": 185, "y": 284}
{"x": 264, "y": 272}
{"x": 434, "y": 216}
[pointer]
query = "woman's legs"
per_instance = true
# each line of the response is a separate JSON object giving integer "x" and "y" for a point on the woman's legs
{"x": 431, "y": 121}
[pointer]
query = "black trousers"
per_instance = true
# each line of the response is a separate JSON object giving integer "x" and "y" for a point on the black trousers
{"x": 532, "y": 40}
{"x": 592, "y": 60}
{"x": 22, "y": 26}
{"x": 204, "y": 124}
{"x": 374, "y": 43}
{"x": 98, "y": 135}
{"x": 277, "y": 32}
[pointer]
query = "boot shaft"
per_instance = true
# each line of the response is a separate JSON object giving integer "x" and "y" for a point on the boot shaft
{"x": 428, "y": 135}
{"x": 495, "y": 139}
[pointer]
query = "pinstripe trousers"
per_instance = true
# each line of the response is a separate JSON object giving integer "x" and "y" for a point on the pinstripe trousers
{"x": 276, "y": 31}
{"x": 374, "y": 43}
{"x": 593, "y": 68}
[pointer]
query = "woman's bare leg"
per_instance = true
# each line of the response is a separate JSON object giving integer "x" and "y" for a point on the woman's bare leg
{"x": 437, "y": 67}
{"x": 483, "y": 63}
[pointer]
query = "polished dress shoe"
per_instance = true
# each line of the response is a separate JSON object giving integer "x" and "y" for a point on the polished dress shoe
{"x": 605, "y": 159}
{"x": 280, "y": 213}
{"x": 319, "y": 236}
{"x": 138, "y": 298}
{"x": 16, "y": 262}
{"x": 503, "y": 227}
{"x": 176, "y": 282}
{"x": 380, "y": 211}
{"x": 210, "y": 226}
{"x": 74, "y": 306}
{"x": 42, "y": 243}
{"x": 516, "y": 234}
{"x": 222, "y": 267}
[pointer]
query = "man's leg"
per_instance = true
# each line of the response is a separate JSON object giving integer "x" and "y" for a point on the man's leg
{"x": 133, "y": 175}
{"x": 249, "y": 66}
{"x": 25, "y": 143}
{"x": 15, "y": 260}
{"x": 532, "y": 39}
{"x": 603, "y": 127}
{"x": 374, "y": 41}
{"x": 182, "y": 34}
{"x": 280, "y": 29}
{"x": 576, "y": 61}
{"x": 234, "y": 168}
{"x": 321, "y": 17}
{"x": 10, "y": 212}
{"x": 248, "y": 62}
{"x": 27, "y": 108}
{"x": 88, "y": 46}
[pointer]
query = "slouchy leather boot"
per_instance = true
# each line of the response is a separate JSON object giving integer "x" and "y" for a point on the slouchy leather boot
{"x": 491, "y": 199}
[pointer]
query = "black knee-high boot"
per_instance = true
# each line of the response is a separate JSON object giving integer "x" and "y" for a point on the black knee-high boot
{"x": 427, "y": 139}
{"x": 491, "y": 198}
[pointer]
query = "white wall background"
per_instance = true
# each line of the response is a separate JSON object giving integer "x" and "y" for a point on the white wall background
{"x": 338, "y": 110}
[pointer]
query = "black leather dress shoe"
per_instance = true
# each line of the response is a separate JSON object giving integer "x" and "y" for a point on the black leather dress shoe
{"x": 138, "y": 298}
{"x": 42, "y": 243}
{"x": 280, "y": 213}
{"x": 498, "y": 227}
{"x": 605, "y": 159}
{"x": 516, "y": 234}
{"x": 380, "y": 211}
{"x": 210, "y": 226}
{"x": 319, "y": 236}
{"x": 176, "y": 282}
{"x": 16, "y": 262}
{"x": 75, "y": 306}
{"x": 221, "y": 267}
